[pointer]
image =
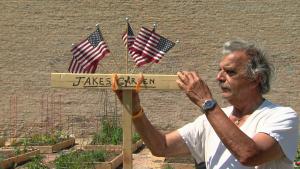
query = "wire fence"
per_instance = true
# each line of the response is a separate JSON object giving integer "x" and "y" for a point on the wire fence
{"x": 27, "y": 116}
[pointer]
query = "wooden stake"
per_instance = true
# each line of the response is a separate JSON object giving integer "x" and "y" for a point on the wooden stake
{"x": 127, "y": 129}
{"x": 127, "y": 20}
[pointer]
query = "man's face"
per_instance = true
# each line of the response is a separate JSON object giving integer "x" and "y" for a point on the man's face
{"x": 232, "y": 77}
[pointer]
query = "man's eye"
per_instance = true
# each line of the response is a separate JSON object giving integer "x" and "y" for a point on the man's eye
{"x": 230, "y": 72}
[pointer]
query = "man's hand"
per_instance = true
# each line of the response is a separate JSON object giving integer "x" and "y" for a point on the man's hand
{"x": 194, "y": 87}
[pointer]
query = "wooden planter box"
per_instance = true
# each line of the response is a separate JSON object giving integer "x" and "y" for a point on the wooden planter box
{"x": 112, "y": 164}
{"x": 6, "y": 163}
{"x": 46, "y": 149}
{"x": 56, "y": 147}
{"x": 135, "y": 146}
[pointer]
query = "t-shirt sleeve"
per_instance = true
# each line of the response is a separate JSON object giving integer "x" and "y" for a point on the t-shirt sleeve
{"x": 193, "y": 136}
{"x": 282, "y": 125}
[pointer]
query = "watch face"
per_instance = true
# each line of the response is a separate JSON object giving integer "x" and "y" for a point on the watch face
{"x": 209, "y": 104}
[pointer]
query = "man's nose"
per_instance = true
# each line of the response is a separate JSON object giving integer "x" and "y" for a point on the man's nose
{"x": 220, "y": 76}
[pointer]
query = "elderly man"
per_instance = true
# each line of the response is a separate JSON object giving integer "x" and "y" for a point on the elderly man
{"x": 252, "y": 133}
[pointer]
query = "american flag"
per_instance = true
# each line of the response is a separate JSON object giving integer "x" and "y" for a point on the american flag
{"x": 149, "y": 46}
{"x": 88, "y": 53}
{"x": 128, "y": 36}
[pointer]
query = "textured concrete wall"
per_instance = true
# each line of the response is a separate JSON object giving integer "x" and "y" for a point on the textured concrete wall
{"x": 36, "y": 38}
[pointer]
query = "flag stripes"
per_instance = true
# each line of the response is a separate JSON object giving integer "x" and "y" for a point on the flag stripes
{"x": 128, "y": 36}
{"x": 149, "y": 46}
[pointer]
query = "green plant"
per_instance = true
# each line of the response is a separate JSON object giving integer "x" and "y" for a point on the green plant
{"x": 80, "y": 159}
{"x": 17, "y": 150}
{"x": 136, "y": 137}
{"x": 36, "y": 163}
{"x": 111, "y": 133}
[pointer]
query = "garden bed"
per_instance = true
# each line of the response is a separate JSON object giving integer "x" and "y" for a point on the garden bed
{"x": 85, "y": 159}
{"x": 10, "y": 157}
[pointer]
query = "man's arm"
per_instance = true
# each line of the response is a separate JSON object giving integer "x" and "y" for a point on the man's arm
{"x": 164, "y": 145}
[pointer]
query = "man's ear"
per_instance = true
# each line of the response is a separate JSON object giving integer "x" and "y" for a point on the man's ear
{"x": 257, "y": 81}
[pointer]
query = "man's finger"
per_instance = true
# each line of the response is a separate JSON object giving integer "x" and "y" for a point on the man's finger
{"x": 189, "y": 75}
{"x": 180, "y": 84}
{"x": 182, "y": 77}
{"x": 195, "y": 75}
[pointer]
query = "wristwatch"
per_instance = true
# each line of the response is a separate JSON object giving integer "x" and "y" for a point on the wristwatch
{"x": 208, "y": 105}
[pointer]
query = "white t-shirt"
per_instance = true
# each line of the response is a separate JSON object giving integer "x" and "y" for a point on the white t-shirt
{"x": 279, "y": 122}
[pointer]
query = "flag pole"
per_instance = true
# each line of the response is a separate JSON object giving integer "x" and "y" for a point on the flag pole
{"x": 127, "y": 20}
{"x": 154, "y": 26}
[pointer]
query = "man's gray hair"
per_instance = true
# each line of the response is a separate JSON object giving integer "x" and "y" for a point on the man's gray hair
{"x": 258, "y": 65}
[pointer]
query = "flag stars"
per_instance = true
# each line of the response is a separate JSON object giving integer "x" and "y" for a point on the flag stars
{"x": 95, "y": 38}
{"x": 165, "y": 45}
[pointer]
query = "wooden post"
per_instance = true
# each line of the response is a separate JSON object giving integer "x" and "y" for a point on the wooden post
{"x": 127, "y": 129}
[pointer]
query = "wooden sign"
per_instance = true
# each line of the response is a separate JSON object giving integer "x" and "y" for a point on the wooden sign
{"x": 125, "y": 81}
